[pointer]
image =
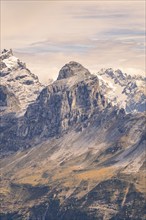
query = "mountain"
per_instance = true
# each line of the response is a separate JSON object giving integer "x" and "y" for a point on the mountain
{"x": 18, "y": 80}
{"x": 74, "y": 154}
{"x": 68, "y": 101}
{"x": 73, "y": 98}
{"x": 125, "y": 90}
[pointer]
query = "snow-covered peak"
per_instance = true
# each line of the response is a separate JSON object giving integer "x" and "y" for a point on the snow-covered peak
{"x": 6, "y": 54}
{"x": 117, "y": 75}
{"x": 11, "y": 62}
{"x": 18, "y": 79}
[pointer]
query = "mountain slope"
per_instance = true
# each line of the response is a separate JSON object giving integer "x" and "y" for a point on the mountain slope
{"x": 83, "y": 172}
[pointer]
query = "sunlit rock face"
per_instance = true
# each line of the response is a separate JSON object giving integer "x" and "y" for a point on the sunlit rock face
{"x": 67, "y": 101}
{"x": 71, "y": 69}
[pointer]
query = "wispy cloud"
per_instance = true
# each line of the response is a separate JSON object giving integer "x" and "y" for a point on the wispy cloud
{"x": 101, "y": 16}
{"x": 51, "y": 47}
{"x": 47, "y": 34}
{"x": 125, "y": 32}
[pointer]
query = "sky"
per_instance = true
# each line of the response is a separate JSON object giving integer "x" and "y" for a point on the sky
{"x": 98, "y": 34}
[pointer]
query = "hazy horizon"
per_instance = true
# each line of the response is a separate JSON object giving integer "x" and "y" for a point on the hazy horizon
{"x": 97, "y": 34}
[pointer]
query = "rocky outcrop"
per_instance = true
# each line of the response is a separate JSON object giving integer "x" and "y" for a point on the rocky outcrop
{"x": 72, "y": 69}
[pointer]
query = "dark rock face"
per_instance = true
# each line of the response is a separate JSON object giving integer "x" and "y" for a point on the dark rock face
{"x": 3, "y": 96}
{"x": 2, "y": 65}
{"x": 28, "y": 82}
{"x": 6, "y": 54}
{"x": 137, "y": 105}
{"x": 8, "y": 99}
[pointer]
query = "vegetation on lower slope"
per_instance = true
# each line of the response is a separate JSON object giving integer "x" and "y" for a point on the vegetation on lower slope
{"x": 83, "y": 175}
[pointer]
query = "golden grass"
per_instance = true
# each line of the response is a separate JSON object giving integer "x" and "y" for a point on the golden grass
{"x": 99, "y": 175}
{"x": 65, "y": 172}
{"x": 66, "y": 176}
{"x": 30, "y": 176}
{"x": 32, "y": 180}
{"x": 4, "y": 191}
{"x": 141, "y": 182}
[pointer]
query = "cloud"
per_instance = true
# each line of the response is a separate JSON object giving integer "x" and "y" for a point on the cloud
{"x": 47, "y": 34}
{"x": 51, "y": 47}
{"x": 102, "y": 16}
{"x": 126, "y": 32}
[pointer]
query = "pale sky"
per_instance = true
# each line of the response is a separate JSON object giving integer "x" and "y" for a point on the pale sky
{"x": 98, "y": 34}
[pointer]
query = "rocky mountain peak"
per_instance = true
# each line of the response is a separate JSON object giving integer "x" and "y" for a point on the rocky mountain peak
{"x": 6, "y": 54}
{"x": 71, "y": 69}
{"x": 9, "y": 62}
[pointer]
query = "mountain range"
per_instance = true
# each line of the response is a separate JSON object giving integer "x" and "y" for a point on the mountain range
{"x": 72, "y": 150}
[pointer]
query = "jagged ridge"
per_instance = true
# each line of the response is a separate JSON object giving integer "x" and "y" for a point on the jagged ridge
{"x": 19, "y": 80}
{"x": 123, "y": 90}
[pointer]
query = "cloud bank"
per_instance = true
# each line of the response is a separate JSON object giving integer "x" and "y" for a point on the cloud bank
{"x": 48, "y": 34}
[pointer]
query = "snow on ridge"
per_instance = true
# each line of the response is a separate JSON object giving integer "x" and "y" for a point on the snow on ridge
{"x": 11, "y": 62}
{"x": 122, "y": 89}
{"x": 16, "y": 77}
